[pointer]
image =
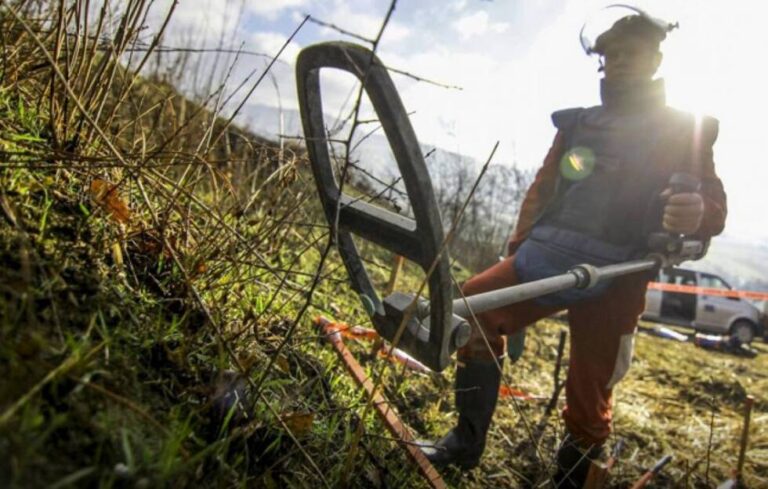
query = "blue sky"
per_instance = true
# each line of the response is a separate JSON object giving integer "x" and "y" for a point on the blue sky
{"x": 517, "y": 61}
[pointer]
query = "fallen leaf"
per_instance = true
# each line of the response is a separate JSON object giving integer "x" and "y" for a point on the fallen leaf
{"x": 299, "y": 423}
{"x": 282, "y": 364}
{"x": 248, "y": 360}
{"x": 105, "y": 194}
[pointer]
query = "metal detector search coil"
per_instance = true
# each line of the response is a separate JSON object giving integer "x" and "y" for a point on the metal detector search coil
{"x": 432, "y": 339}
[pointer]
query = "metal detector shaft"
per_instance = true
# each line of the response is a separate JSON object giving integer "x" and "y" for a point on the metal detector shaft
{"x": 580, "y": 276}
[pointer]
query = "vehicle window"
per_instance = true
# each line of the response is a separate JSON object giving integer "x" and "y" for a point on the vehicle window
{"x": 713, "y": 282}
{"x": 681, "y": 277}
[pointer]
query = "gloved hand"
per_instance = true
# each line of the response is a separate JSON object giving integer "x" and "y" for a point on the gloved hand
{"x": 683, "y": 212}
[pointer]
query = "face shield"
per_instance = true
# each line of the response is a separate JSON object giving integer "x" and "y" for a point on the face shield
{"x": 605, "y": 19}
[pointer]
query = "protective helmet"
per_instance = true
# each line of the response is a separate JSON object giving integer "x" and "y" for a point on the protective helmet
{"x": 619, "y": 21}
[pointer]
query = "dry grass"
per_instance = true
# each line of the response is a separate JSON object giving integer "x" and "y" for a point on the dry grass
{"x": 664, "y": 406}
{"x": 160, "y": 271}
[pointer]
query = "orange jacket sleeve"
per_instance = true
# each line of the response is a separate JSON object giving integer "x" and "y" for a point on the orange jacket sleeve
{"x": 539, "y": 194}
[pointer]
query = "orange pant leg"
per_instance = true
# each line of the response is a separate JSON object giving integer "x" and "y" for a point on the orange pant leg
{"x": 504, "y": 321}
{"x": 602, "y": 332}
{"x": 602, "y": 335}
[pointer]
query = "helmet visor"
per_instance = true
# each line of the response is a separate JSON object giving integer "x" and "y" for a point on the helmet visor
{"x": 607, "y": 19}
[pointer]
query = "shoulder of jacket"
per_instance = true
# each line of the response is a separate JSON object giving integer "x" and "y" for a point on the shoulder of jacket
{"x": 565, "y": 118}
{"x": 707, "y": 126}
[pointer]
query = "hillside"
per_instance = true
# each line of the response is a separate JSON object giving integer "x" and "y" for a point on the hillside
{"x": 741, "y": 263}
{"x": 161, "y": 270}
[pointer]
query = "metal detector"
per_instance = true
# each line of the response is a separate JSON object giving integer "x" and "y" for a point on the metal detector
{"x": 435, "y": 329}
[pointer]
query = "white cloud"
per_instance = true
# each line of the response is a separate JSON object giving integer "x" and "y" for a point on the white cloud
{"x": 270, "y": 8}
{"x": 367, "y": 25}
{"x": 458, "y": 5}
{"x": 271, "y": 42}
{"x": 204, "y": 22}
{"x": 477, "y": 24}
{"x": 467, "y": 121}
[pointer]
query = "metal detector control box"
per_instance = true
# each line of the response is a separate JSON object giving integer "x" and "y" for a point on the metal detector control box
{"x": 431, "y": 334}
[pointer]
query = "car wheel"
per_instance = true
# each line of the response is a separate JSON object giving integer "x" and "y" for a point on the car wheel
{"x": 744, "y": 331}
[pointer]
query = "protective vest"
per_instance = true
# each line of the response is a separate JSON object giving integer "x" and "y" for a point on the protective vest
{"x": 614, "y": 167}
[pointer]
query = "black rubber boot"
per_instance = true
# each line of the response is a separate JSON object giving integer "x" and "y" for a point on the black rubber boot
{"x": 477, "y": 390}
{"x": 573, "y": 463}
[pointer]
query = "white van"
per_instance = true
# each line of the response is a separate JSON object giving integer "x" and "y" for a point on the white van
{"x": 706, "y": 313}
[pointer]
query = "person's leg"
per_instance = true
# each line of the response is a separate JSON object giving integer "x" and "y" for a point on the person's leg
{"x": 486, "y": 341}
{"x": 602, "y": 335}
{"x": 478, "y": 374}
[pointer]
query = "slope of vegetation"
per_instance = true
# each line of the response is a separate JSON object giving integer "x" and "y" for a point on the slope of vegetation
{"x": 160, "y": 272}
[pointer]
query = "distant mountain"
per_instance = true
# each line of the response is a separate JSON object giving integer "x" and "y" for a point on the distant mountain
{"x": 743, "y": 264}
{"x": 374, "y": 153}
{"x": 265, "y": 121}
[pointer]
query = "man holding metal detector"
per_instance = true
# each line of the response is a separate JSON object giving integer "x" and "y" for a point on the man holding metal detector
{"x": 623, "y": 180}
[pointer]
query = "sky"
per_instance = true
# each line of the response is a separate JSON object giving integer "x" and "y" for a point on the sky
{"x": 516, "y": 62}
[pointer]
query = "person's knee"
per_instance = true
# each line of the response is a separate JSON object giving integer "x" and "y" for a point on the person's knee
{"x": 472, "y": 286}
{"x": 496, "y": 276}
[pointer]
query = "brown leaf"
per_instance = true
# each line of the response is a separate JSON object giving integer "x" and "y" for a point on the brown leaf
{"x": 299, "y": 423}
{"x": 283, "y": 364}
{"x": 247, "y": 360}
{"x": 105, "y": 194}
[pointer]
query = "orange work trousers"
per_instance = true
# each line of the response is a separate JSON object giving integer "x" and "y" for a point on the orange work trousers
{"x": 602, "y": 332}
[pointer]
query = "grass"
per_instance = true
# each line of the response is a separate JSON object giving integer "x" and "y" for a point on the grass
{"x": 157, "y": 298}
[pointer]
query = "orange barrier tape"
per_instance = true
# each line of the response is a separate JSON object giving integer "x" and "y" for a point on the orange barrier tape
{"x": 691, "y": 289}
{"x": 399, "y": 356}
{"x": 360, "y": 333}
{"x": 357, "y": 332}
{"x": 507, "y": 391}
{"x": 386, "y": 412}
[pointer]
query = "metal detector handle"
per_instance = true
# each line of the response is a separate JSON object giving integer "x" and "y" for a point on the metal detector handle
{"x": 420, "y": 240}
{"x": 674, "y": 248}
{"x": 582, "y": 276}
{"x": 681, "y": 182}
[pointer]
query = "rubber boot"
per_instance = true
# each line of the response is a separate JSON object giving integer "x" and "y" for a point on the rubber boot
{"x": 477, "y": 390}
{"x": 573, "y": 464}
